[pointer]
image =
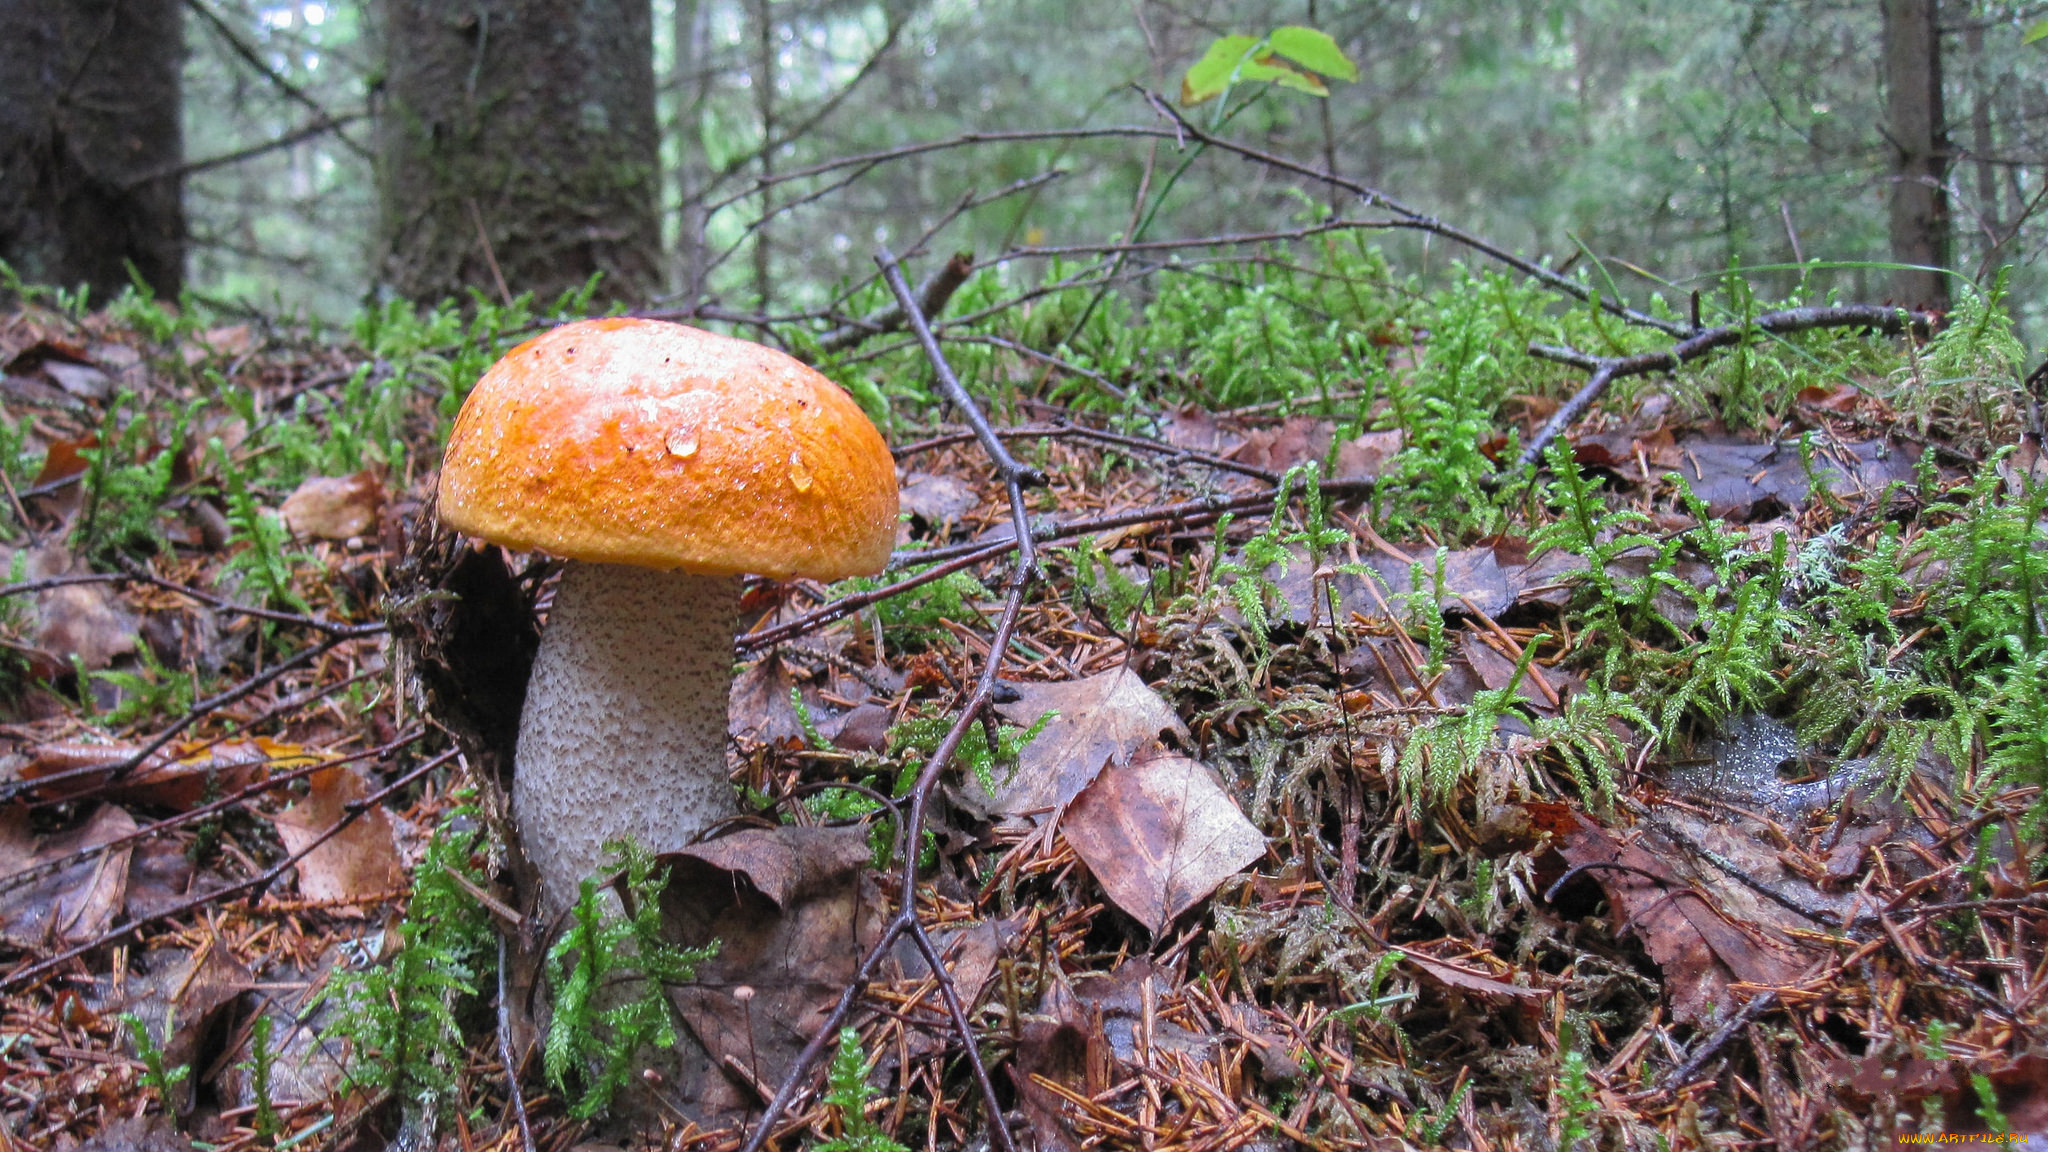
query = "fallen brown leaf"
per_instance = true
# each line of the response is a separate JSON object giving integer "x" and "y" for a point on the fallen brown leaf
{"x": 1101, "y": 719}
{"x": 334, "y": 507}
{"x": 1160, "y": 834}
{"x": 78, "y": 902}
{"x": 358, "y": 863}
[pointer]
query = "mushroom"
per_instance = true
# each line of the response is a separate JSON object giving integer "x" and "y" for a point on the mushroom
{"x": 662, "y": 462}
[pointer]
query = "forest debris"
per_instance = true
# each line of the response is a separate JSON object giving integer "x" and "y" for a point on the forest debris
{"x": 1736, "y": 478}
{"x": 86, "y": 623}
{"x": 1060, "y": 1044}
{"x": 334, "y": 507}
{"x": 179, "y": 777}
{"x": 1473, "y": 579}
{"x": 191, "y": 1003}
{"x": 1101, "y": 719}
{"x": 1117, "y": 998}
{"x": 1704, "y": 928}
{"x": 759, "y": 707}
{"x": 358, "y": 863}
{"x": 1160, "y": 834}
{"x": 153, "y": 1133}
{"x": 939, "y": 501}
{"x": 77, "y": 902}
{"x": 794, "y": 910}
{"x": 1458, "y": 978}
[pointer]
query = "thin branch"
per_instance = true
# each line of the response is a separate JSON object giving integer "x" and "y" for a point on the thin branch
{"x": 255, "y": 885}
{"x": 1417, "y": 220}
{"x": 1017, "y": 475}
{"x": 1607, "y": 369}
{"x": 134, "y": 760}
{"x": 319, "y": 127}
{"x": 194, "y": 815}
{"x": 254, "y": 59}
{"x": 932, "y": 297}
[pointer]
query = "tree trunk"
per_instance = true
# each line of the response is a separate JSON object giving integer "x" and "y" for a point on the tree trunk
{"x": 1919, "y": 204}
{"x": 90, "y": 144}
{"x": 517, "y": 147}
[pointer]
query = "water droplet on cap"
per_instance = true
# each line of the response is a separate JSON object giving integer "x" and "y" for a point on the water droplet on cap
{"x": 799, "y": 475}
{"x": 682, "y": 440}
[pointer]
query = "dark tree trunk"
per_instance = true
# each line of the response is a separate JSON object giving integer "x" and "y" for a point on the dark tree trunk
{"x": 1919, "y": 204}
{"x": 90, "y": 144}
{"x": 517, "y": 146}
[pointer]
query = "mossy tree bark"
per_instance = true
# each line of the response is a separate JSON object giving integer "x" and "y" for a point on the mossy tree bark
{"x": 517, "y": 147}
{"x": 90, "y": 143}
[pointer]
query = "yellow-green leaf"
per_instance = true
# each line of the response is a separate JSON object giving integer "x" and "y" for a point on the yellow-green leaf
{"x": 1313, "y": 50}
{"x": 1211, "y": 76}
{"x": 2036, "y": 31}
{"x": 1267, "y": 67}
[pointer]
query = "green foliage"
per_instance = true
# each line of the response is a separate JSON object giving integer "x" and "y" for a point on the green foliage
{"x": 161, "y": 1080}
{"x": 262, "y": 554}
{"x": 1449, "y": 749}
{"x": 400, "y": 1020}
{"x": 1099, "y": 583}
{"x": 921, "y": 736}
{"x": 1732, "y": 667}
{"x": 1428, "y": 1128}
{"x": 127, "y": 483}
{"x": 1987, "y": 1103}
{"x": 1290, "y": 56}
{"x": 262, "y": 1060}
{"x": 1577, "y": 1105}
{"x": 848, "y": 1094}
{"x": 1583, "y": 735}
{"x": 591, "y": 1042}
{"x": 909, "y": 618}
{"x": 1244, "y": 579}
{"x": 152, "y": 690}
{"x": 1967, "y": 386}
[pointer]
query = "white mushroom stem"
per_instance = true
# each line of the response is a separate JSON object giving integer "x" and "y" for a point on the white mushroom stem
{"x": 623, "y": 735}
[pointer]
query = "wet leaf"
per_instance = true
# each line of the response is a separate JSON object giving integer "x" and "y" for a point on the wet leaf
{"x": 78, "y": 902}
{"x": 1705, "y": 929}
{"x": 1102, "y": 719}
{"x": 181, "y": 777}
{"x": 334, "y": 507}
{"x": 938, "y": 500}
{"x": 1160, "y": 834}
{"x": 794, "y": 911}
{"x": 360, "y": 862}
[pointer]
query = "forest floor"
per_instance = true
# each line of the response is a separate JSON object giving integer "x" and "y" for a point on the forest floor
{"x": 1687, "y": 796}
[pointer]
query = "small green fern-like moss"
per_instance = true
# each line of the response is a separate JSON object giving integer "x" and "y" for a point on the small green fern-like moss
{"x": 589, "y": 1043}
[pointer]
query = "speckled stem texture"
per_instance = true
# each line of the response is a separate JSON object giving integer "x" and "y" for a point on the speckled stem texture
{"x": 624, "y": 729}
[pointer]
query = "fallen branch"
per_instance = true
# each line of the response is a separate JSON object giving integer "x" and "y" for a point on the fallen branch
{"x": 932, "y": 296}
{"x": 1024, "y": 573}
{"x": 1607, "y": 369}
{"x": 255, "y": 886}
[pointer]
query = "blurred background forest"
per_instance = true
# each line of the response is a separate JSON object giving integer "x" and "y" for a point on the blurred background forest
{"x": 1667, "y": 139}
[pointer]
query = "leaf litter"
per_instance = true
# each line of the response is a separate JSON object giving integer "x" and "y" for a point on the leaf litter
{"x": 1325, "y": 859}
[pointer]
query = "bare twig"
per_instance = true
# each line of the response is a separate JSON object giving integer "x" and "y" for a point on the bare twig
{"x": 128, "y": 764}
{"x": 975, "y": 709}
{"x": 255, "y": 886}
{"x": 1607, "y": 369}
{"x": 932, "y": 297}
{"x": 193, "y": 815}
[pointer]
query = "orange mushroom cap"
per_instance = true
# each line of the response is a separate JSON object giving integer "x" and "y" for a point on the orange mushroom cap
{"x": 641, "y": 442}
